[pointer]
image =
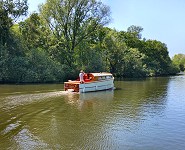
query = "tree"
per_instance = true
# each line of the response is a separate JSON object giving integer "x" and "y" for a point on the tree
{"x": 135, "y": 30}
{"x": 123, "y": 61}
{"x": 72, "y": 21}
{"x": 10, "y": 10}
{"x": 157, "y": 59}
{"x": 114, "y": 49}
{"x": 132, "y": 37}
{"x": 91, "y": 53}
{"x": 10, "y": 47}
{"x": 34, "y": 28}
{"x": 179, "y": 61}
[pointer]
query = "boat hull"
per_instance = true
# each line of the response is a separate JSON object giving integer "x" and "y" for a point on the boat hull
{"x": 96, "y": 86}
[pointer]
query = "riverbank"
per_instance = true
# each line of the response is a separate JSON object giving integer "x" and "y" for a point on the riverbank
{"x": 61, "y": 82}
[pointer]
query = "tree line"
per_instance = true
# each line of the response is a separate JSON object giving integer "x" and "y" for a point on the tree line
{"x": 69, "y": 35}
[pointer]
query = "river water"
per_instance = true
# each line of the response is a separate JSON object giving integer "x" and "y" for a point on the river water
{"x": 139, "y": 114}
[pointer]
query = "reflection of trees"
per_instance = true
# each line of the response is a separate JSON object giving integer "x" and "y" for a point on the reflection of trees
{"x": 140, "y": 97}
{"x": 144, "y": 89}
{"x": 91, "y": 100}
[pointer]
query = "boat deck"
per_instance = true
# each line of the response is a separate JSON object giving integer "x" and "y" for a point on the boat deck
{"x": 72, "y": 82}
{"x": 74, "y": 85}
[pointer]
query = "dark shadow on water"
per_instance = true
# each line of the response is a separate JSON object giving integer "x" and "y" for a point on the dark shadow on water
{"x": 117, "y": 89}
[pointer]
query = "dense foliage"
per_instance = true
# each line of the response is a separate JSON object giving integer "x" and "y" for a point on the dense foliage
{"x": 69, "y": 35}
{"x": 179, "y": 61}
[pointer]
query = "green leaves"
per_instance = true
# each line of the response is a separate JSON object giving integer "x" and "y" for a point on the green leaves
{"x": 69, "y": 35}
{"x": 179, "y": 61}
{"x": 73, "y": 21}
{"x": 9, "y": 11}
{"x": 130, "y": 56}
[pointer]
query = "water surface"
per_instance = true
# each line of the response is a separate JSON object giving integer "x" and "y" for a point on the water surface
{"x": 139, "y": 114}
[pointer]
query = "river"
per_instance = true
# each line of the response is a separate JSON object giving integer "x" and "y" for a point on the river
{"x": 139, "y": 114}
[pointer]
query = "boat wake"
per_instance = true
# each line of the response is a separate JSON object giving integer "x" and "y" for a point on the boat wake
{"x": 22, "y": 99}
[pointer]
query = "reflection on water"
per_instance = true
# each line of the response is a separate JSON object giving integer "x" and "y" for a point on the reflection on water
{"x": 140, "y": 114}
{"x": 91, "y": 100}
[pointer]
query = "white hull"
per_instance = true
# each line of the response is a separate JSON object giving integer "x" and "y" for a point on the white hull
{"x": 96, "y": 86}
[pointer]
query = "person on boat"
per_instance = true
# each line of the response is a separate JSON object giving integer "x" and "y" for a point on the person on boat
{"x": 81, "y": 76}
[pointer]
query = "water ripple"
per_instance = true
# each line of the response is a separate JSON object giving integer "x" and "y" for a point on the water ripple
{"x": 23, "y": 99}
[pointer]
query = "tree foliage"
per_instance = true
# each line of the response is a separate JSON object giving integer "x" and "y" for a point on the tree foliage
{"x": 69, "y": 35}
{"x": 72, "y": 21}
{"x": 179, "y": 61}
{"x": 10, "y": 10}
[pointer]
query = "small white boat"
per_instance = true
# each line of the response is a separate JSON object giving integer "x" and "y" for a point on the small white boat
{"x": 92, "y": 82}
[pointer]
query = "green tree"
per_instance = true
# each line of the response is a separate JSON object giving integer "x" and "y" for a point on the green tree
{"x": 123, "y": 60}
{"x": 34, "y": 28}
{"x": 132, "y": 37}
{"x": 10, "y": 10}
{"x": 135, "y": 31}
{"x": 157, "y": 58}
{"x": 10, "y": 47}
{"x": 179, "y": 61}
{"x": 152, "y": 55}
{"x": 72, "y": 21}
{"x": 133, "y": 64}
{"x": 90, "y": 53}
